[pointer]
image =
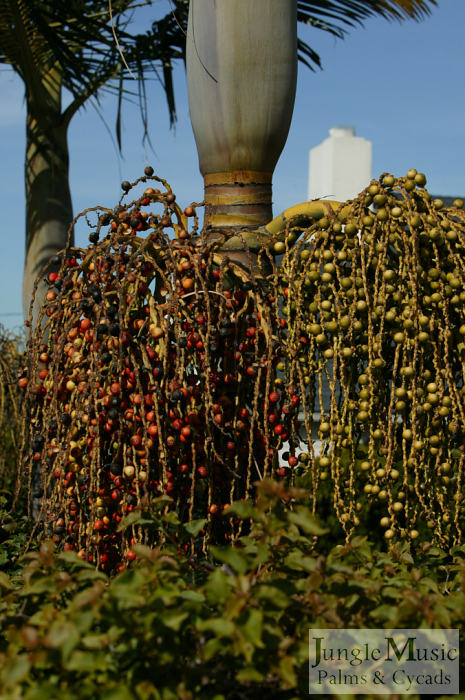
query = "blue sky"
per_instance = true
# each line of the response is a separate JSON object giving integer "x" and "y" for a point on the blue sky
{"x": 400, "y": 85}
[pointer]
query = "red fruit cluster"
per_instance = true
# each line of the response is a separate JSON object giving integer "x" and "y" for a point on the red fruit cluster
{"x": 153, "y": 374}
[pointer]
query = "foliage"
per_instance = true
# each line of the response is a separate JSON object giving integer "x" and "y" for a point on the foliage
{"x": 72, "y": 44}
{"x": 178, "y": 627}
{"x": 334, "y": 16}
{"x": 15, "y": 532}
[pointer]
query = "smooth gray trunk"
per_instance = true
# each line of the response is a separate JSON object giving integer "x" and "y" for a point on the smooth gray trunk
{"x": 48, "y": 198}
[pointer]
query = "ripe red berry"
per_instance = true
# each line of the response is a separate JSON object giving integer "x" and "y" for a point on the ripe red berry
{"x": 274, "y": 397}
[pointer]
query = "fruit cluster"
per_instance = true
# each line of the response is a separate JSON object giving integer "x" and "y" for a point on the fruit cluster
{"x": 161, "y": 368}
{"x": 375, "y": 301}
{"x": 153, "y": 375}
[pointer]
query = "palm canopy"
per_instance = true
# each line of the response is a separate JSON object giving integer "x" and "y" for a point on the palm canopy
{"x": 73, "y": 41}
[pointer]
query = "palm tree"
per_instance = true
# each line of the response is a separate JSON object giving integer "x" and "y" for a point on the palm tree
{"x": 70, "y": 44}
{"x": 78, "y": 45}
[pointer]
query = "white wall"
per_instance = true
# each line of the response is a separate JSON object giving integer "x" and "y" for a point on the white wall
{"x": 340, "y": 167}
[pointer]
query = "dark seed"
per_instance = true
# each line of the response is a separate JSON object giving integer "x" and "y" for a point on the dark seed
{"x": 102, "y": 329}
{"x": 112, "y": 311}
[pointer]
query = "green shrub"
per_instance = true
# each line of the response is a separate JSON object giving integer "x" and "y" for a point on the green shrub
{"x": 177, "y": 626}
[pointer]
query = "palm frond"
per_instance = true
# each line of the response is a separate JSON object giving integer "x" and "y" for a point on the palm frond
{"x": 77, "y": 37}
{"x": 336, "y": 16}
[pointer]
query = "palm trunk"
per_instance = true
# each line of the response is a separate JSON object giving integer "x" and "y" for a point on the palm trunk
{"x": 241, "y": 80}
{"x": 48, "y": 210}
{"x": 48, "y": 198}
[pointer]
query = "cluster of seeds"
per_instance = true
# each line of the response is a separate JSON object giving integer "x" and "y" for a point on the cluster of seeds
{"x": 152, "y": 374}
{"x": 11, "y": 362}
{"x": 375, "y": 301}
{"x": 160, "y": 367}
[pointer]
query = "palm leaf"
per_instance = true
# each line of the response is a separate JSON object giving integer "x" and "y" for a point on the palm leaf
{"x": 76, "y": 37}
{"x": 336, "y": 16}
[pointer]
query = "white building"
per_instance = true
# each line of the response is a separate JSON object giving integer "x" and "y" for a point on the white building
{"x": 340, "y": 167}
